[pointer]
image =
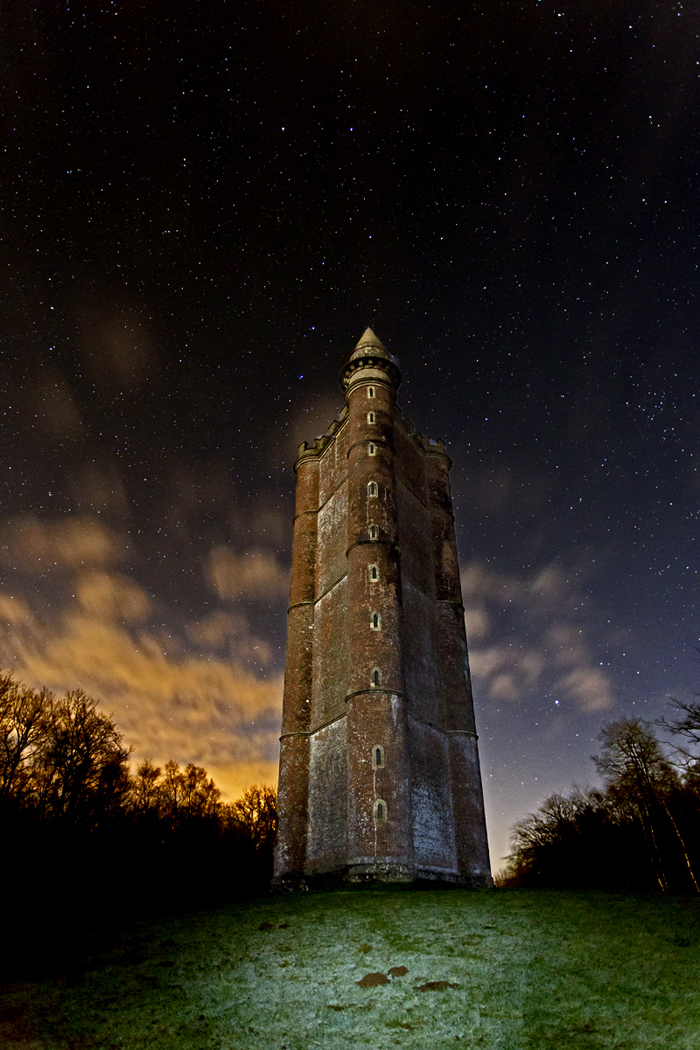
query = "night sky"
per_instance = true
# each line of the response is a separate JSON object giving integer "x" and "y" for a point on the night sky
{"x": 204, "y": 205}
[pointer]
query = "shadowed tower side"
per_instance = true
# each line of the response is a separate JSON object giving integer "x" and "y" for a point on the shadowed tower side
{"x": 379, "y": 767}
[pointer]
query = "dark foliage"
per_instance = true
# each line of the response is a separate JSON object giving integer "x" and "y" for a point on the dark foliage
{"x": 640, "y": 832}
{"x": 83, "y": 835}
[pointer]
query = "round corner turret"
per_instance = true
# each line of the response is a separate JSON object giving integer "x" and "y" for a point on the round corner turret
{"x": 368, "y": 360}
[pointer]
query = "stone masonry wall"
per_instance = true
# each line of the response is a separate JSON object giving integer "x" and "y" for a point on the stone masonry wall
{"x": 328, "y": 791}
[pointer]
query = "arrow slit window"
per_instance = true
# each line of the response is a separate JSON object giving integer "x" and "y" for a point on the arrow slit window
{"x": 380, "y": 813}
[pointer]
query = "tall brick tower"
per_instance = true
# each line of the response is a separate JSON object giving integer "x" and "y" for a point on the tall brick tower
{"x": 379, "y": 767}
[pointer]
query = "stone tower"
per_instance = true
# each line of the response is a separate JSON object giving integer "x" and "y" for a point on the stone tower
{"x": 379, "y": 767}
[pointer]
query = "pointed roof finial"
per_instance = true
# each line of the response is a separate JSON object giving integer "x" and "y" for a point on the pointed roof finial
{"x": 369, "y": 338}
{"x": 370, "y": 352}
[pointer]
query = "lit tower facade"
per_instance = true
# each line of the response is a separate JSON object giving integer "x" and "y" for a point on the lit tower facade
{"x": 379, "y": 766}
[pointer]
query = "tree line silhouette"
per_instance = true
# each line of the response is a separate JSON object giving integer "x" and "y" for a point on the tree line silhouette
{"x": 639, "y": 832}
{"x": 82, "y": 830}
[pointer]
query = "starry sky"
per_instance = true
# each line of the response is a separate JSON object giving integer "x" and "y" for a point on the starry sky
{"x": 204, "y": 205}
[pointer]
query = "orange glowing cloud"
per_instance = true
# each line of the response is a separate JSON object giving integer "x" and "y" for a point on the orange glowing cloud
{"x": 255, "y": 573}
{"x": 29, "y": 545}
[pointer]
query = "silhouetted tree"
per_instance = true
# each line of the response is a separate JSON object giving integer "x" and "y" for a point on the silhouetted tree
{"x": 23, "y": 730}
{"x": 572, "y": 841}
{"x": 187, "y": 794}
{"x": 641, "y": 829}
{"x": 639, "y": 776}
{"x": 252, "y": 821}
{"x": 145, "y": 789}
{"x": 686, "y": 725}
{"x": 80, "y": 773}
{"x": 254, "y": 814}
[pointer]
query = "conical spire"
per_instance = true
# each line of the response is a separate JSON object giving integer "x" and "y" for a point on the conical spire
{"x": 370, "y": 352}
{"x": 369, "y": 338}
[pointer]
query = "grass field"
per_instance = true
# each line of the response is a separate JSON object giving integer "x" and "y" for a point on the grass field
{"x": 500, "y": 969}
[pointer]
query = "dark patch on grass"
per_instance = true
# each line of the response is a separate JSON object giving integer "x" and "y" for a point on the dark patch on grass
{"x": 373, "y": 980}
{"x": 435, "y": 986}
{"x": 397, "y": 971}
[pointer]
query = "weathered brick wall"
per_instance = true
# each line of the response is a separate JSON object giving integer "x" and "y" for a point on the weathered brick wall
{"x": 378, "y": 718}
{"x": 414, "y": 523}
{"x": 328, "y": 780}
{"x": 421, "y": 668}
{"x": 294, "y": 743}
{"x": 410, "y": 459}
{"x": 330, "y": 670}
{"x": 471, "y": 841}
{"x": 433, "y": 820}
{"x": 328, "y": 792}
{"x": 331, "y": 562}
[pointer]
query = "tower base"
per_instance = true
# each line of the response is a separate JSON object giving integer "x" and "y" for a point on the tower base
{"x": 357, "y": 876}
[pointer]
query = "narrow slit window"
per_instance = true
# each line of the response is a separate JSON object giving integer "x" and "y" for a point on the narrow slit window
{"x": 370, "y": 391}
{"x": 373, "y": 573}
{"x": 375, "y": 622}
{"x": 378, "y": 757}
{"x": 373, "y": 532}
{"x": 370, "y": 417}
{"x": 372, "y": 449}
{"x": 380, "y": 810}
{"x": 372, "y": 489}
{"x": 376, "y": 678}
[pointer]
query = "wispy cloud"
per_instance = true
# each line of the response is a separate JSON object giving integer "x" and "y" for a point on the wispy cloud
{"x": 255, "y": 573}
{"x": 29, "y": 545}
{"x": 528, "y": 636}
{"x": 110, "y": 597}
{"x": 54, "y": 407}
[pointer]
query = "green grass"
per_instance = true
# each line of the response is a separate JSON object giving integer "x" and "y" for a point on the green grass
{"x": 533, "y": 970}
